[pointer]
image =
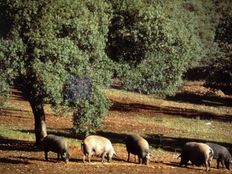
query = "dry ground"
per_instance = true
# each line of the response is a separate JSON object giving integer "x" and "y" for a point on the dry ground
{"x": 20, "y": 156}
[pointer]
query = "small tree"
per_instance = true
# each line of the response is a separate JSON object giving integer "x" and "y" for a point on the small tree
{"x": 220, "y": 76}
{"x": 88, "y": 114}
{"x": 155, "y": 42}
{"x": 48, "y": 42}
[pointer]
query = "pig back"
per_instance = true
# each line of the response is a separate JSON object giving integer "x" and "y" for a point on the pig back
{"x": 197, "y": 153}
{"x": 55, "y": 144}
{"x": 137, "y": 145}
{"x": 98, "y": 144}
{"x": 220, "y": 151}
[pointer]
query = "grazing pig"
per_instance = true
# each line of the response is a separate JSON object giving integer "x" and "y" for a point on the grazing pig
{"x": 221, "y": 154}
{"x": 137, "y": 145}
{"x": 56, "y": 144}
{"x": 99, "y": 146}
{"x": 197, "y": 153}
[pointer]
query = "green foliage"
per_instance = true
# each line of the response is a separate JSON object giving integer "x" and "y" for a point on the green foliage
{"x": 205, "y": 22}
{"x": 155, "y": 42}
{"x": 48, "y": 41}
{"x": 220, "y": 74}
{"x": 8, "y": 66}
{"x": 4, "y": 91}
{"x": 88, "y": 115}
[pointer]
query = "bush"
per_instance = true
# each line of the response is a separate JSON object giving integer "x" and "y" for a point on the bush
{"x": 220, "y": 76}
{"x": 153, "y": 43}
{"x": 4, "y": 91}
{"x": 89, "y": 114}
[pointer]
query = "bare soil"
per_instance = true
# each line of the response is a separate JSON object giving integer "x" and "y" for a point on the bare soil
{"x": 20, "y": 156}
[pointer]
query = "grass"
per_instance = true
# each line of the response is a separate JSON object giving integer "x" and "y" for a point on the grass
{"x": 207, "y": 130}
{"x": 189, "y": 128}
{"x": 16, "y": 133}
{"x": 132, "y": 97}
{"x": 176, "y": 126}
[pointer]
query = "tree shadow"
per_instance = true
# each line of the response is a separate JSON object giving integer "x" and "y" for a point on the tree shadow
{"x": 14, "y": 161}
{"x": 201, "y": 99}
{"x": 175, "y": 144}
{"x": 167, "y": 143}
{"x": 52, "y": 159}
{"x": 188, "y": 113}
{"x": 7, "y": 144}
{"x": 67, "y": 133}
{"x": 189, "y": 167}
{"x": 197, "y": 73}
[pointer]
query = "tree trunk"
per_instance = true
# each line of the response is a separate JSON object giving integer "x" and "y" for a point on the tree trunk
{"x": 39, "y": 121}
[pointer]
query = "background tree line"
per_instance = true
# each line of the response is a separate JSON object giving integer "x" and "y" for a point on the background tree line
{"x": 54, "y": 50}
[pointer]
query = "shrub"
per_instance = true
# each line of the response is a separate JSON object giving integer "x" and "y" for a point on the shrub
{"x": 153, "y": 43}
{"x": 89, "y": 114}
{"x": 220, "y": 76}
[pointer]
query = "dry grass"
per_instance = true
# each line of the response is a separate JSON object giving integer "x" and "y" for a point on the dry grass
{"x": 168, "y": 122}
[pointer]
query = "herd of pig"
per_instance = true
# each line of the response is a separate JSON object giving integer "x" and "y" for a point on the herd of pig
{"x": 197, "y": 153}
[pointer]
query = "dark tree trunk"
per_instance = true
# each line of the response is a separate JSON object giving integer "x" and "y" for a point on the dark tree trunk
{"x": 39, "y": 121}
{"x": 35, "y": 98}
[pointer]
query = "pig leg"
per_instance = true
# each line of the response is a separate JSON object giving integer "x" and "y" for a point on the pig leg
{"x": 109, "y": 158}
{"x": 103, "y": 157}
{"x": 218, "y": 161}
{"x": 89, "y": 157}
{"x": 90, "y": 154}
{"x": 84, "y": 157}
{"x": 58, "y": 156}
{"x": 46, "y": 155}
{"x": 140, "y": 161}
{"x": 128, "y": 159}
{"x": 222, "y": 162}
{"x": 207, "y": 165}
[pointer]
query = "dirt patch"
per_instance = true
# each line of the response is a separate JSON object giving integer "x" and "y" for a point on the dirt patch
{"x": 21, "y": 156}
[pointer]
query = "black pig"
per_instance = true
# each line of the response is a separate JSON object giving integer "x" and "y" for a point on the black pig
{"x": 221, "y": 154}
{"x": 198, "y": 153}
{"x": 137, "y": 145}
{"x": 56, "y": 144}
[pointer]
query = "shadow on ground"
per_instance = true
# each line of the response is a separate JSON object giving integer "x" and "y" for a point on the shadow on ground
{"x": 18, "y": 145}
{"x": 172, "y": 144}
{"x": 201, "y": 99}
{"x": 167, "y": 143}
{"x": 188, "y": 113}
{"x": 14, "y": 161}
{"x": 175, "y": 144}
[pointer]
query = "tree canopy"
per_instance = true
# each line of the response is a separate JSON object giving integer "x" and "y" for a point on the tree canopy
{"x": 220, "y": 74}
{"x": 155, "y": 42}
{"x": 47, "y": 43}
